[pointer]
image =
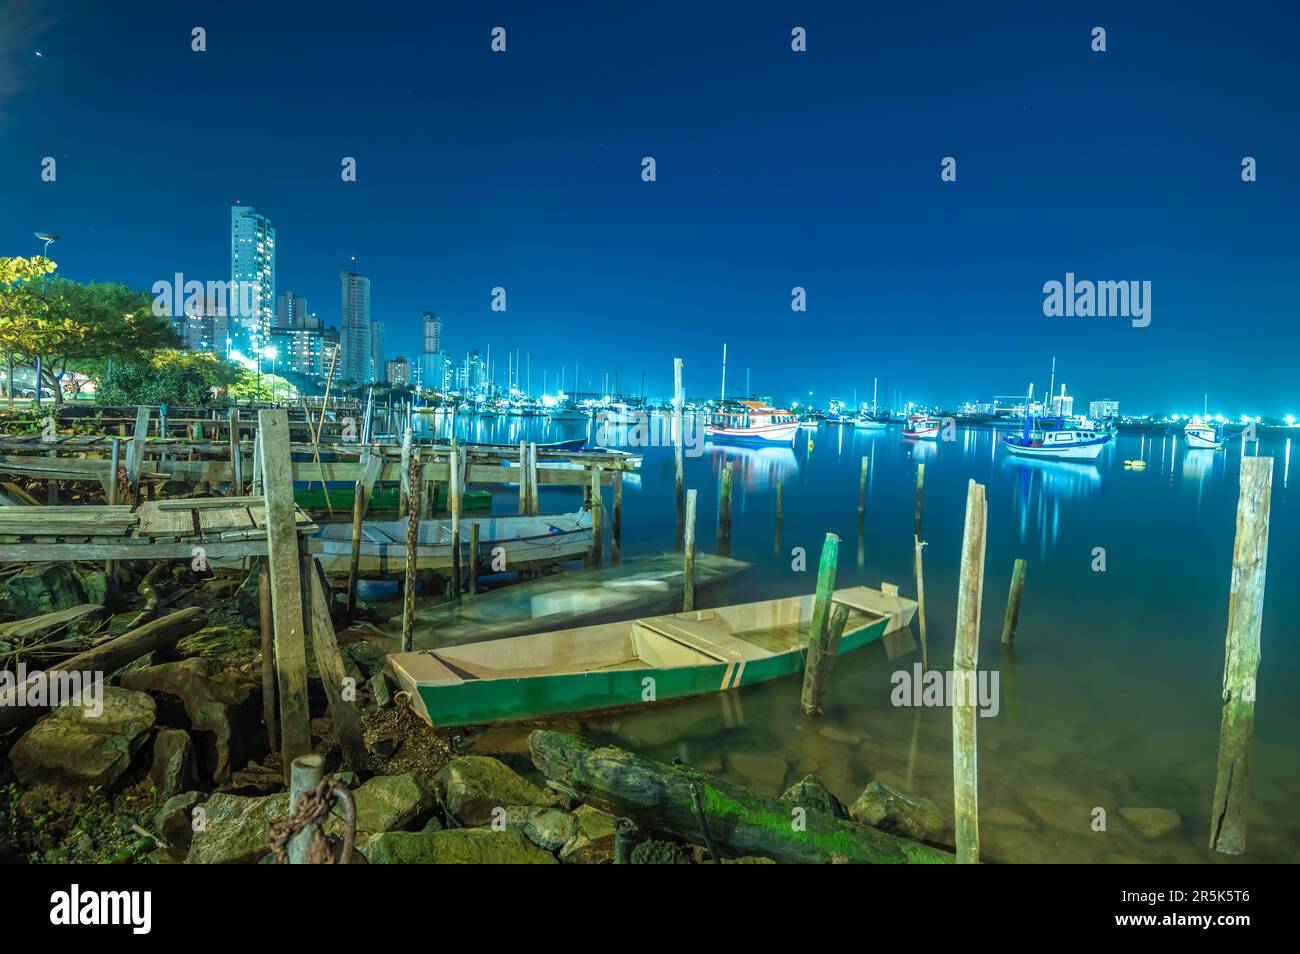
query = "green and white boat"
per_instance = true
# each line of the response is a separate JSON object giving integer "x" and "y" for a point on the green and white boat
{"x": 633, "y": 662}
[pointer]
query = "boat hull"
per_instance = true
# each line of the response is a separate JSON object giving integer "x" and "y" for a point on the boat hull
{"x": 1084, "y": 451}
{"x": 762, "y": 434}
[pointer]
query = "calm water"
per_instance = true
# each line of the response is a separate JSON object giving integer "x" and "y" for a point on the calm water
{"x": 1111, "y": 697}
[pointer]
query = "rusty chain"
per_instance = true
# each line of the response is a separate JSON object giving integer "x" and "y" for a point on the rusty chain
{"x": 312, "y": 810}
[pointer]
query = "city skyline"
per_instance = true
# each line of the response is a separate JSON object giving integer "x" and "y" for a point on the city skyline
{"x": 775, "y": 171}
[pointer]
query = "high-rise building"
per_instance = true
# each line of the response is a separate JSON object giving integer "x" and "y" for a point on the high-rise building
{"x": 252, "y": 263}
{"x": 290, "y": 310}
{"x": 203, "y": 326}
{"x": 397, "y": 371}
{"x": 306, "y": 350}
{"x": 1101, "y": 410}
{"x": 354, "y": 328}
{"x": 432, "y": 332}
{"x": 376, "y": 351}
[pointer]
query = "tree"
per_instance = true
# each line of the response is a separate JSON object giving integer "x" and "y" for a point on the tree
{"x": 21, "y": 310}
{"x": 168, "y": 376}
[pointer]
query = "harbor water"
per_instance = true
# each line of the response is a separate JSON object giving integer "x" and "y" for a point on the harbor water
{"x": 1107, "y": 711}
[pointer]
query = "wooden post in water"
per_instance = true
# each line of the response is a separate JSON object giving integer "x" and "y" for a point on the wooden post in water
{"x": 724, "y": 504}
{"x": 920, "y": 489}
{"x": 286, "y": 585}
{"x": 920, "y": 569}
{"x": 597, "y": 517}
{"x": 688, "y": 545}
{"x": 970, "y": 588}
{"x": 817, "y": 667}
{"x": 268, "y": 652}
{"x": 616, "y": 529}
{"x": 532, "y": 479}
{"x": 412, "y": 478}
{"x": 862, "y": 487}
{"x": 473, "y": 557}
{"x": 453, "y": 495}
{"x": 1012, "y": 619}
{"x": 679, "y": 436}
{"x": 236, "y": 463}
{"x": 1241, "y": 660}
{"x": 358, "y": 507}
{"x": 523, "y": 478}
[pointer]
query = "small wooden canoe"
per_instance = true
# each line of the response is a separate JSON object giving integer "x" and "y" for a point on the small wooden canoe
{"x": 633, "y": 662}
{"x": 527, "y": 541}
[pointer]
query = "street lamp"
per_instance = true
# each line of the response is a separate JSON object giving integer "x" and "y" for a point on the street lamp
{"x": 272, "y": 353}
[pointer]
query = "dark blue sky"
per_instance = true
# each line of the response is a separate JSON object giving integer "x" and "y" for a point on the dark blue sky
{"x": 775, "y": 169}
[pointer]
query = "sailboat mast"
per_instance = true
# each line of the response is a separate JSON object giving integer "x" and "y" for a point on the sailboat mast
{"x": 724, "y": 371}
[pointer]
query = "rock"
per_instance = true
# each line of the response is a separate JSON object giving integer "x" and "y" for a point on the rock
{"x": 50, "y": 587}
{"x": 75, "y": 620}
{"x": 474, "y": 785}
{"x": 366, "y": 656}
{"x": 1152, "y": 822}
{"x": 764, "y": 773}
{"x": 380, "y": 690}
{"x": 171, "y": 767}
{"x": 71, "y": 745}
{"x": 391, "y": 802}
{"x": 811, "y": 793}
{"x": 254, "y": 779}
{"x": 593, "y": 844}
{"x": 433, "y": 824}
{"x": 173, "y": 819}
{"x": 459, "y": 846}
{"x": 653, "y": 852}
{"x": 889, "y": 809}
{"x": 385, "y": 743}
{"x": 234, "y": 829}
{"x": 547, "y": 828}
{"x": 220, "y": 707}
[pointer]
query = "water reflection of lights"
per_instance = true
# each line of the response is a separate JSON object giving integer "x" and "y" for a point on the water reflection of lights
{"x": 1040, "y": 486}
{"x": 757, "y": 468}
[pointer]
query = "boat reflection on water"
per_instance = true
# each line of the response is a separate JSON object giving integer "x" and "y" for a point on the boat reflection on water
{"x": 1041, "y": 486}
{"x": 1198, "y": 463}
{"x": 755, "y": 468}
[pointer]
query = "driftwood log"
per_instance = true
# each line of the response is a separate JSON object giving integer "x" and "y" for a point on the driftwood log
{"x": 741, "y": 822}
{"x": 111, "y": 656}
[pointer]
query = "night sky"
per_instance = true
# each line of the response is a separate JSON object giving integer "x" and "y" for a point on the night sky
{"x": 775, "y": 169}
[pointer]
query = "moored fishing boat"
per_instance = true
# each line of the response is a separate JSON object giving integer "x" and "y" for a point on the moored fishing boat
{"x": 869, "y": 423}
{"x": 525, "y": 540}
{"x": 751, "y": 422}
{"x": 620, "y": 412}
{"x": 1203, "y": 435}
{"x": 1064, "y": 443}
{"x": 606, "y": 666}
{"x": 921, "y": 427}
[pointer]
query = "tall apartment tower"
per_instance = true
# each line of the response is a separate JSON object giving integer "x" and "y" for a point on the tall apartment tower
{"x": 252, "y": 261}
{"x": 377, "y": 356}
{"x": 291, "y": 310}
{"x": 354, "y": 327}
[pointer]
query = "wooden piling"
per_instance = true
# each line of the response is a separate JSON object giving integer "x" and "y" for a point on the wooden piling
{"x": 407, "y": 488}
{"x": 329, "y": 663}
{"x": 454, "y": 495}
{"x": 135, "y": 453}
{"x": 679, "y": 436}
{"x": 473, "y": 557}
{"x": 688, "y": 546}
{"x": 286, "y": 585}
{"x": 305, "y": 774}
{"x": 268, "y": 652}
{"x": 920, "y": 488}
{"x": 1241, "y": 659}
{"x": 236, "y": 461}
{"x": 532, "y": 479}
{"x": 616, "y": 529}
{"x": 1012, "y": 619}
{"x": 412, "y": 477}
{"x": 724, "y": 504}
{"x": 597, "y": 517}
{"x": 358, "y": 508}
{"x": 818, "y": 665}
{"x": 862, "y": 487}
{"x": 965, "y": 655}
{"x": 523, "y": 478}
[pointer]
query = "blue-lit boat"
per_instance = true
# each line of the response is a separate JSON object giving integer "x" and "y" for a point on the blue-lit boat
{"x": 1049, "y": 438}
{"x": 751, "y": 422}
{"x": 1203, "y": 435}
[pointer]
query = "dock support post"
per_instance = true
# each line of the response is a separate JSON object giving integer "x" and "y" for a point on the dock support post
{"x": 523, "y": 478}
{"x": 268, "y": 652}
{"x": 616, "y": 529}
{"x": 473, "y": 557}
{"x": 135, "y": 453}
{"x": 532, "y": 479}
{"x": 920, "y": 569}
{"x": 821, "y": 653}
{"x": 305, "y": 774}
{"x": 597, "y": 517}
{"x": 970, "y": 588}
{"x": 329, "y": 663}
{"x": 724, "y": 504}
{"x": 286, "y": 585}
{"x": 1012, "y": 619}
{"x": 453, "y": 495}
{"x": 1241, "y": 660}
{"x": 411, "y": 477}
{"x": 408, "y": 485}
{"x": 688, "y": 545}
{"x": 358, "y": 507}
{"x": 862, "y": 487}
{"x": 679, "y": 436}
{"x": 236, "y": 468}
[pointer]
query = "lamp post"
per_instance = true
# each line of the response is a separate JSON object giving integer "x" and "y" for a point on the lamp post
{"x": 49, "y": 239}
{"x": 273, "y": 354}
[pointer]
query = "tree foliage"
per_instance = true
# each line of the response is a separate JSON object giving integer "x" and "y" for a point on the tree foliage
{"x": 168, "y": 376}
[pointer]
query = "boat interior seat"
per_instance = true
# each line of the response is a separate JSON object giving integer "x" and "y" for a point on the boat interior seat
{"x": 702, "y": 637}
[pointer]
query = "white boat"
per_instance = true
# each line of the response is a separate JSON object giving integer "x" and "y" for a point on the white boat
{"x": 1203, "y": 435}
{"x": 567, "y": 414}
{"x": 921, "y": 427}
{"x": 751, "y": 422}
{"x": 620, "y": 412}
{"x": 1066, "y": 443}
{"x": 525, "y": 540}
{"x": 869, "y": 424}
